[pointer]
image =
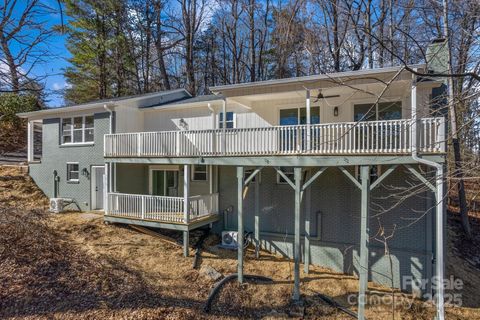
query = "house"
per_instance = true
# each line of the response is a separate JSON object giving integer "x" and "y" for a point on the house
{"x": 316, "y": 167}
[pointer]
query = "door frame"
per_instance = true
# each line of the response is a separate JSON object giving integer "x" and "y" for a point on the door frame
{"x": 160, "y": 168}
{"x": 93, "y": 179}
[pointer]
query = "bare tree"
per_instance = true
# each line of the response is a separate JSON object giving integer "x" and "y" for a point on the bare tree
{"x": 23, "y": 43}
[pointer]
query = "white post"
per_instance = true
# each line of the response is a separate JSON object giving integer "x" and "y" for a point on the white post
{"x": 210, "y": 178}
{"x": 413, "y": 135}
{"x": 186, "y": 208}
{"x": 186, "y": 192}
{"x": 30, "y": 139}
{"x": 308, "y": 120}
{"x": 440, "y": 245}
{"x": 105, "y": 188}
{"x": 224, "y": 126}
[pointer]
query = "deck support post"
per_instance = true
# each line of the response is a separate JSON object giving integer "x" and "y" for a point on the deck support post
{"x": 440, "y": 245}
{"x": 240, "y": 178}
{"x": 257, "y": 217}
{"x": 296, "y": 249}
{"x": 186, "y": 211}
{"x": 308, "y": 215}
{"x": 30, "y": 141}
{"x": 364, "y": 234}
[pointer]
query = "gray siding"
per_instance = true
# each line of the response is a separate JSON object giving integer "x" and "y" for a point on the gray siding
{"x": 335, "y": 204}
{"x": 55, "y": 157}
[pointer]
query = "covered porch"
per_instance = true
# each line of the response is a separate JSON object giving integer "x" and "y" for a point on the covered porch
{"x": 160, "y": 196}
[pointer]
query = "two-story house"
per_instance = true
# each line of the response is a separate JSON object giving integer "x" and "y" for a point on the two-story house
{"x": 317, "y": 167}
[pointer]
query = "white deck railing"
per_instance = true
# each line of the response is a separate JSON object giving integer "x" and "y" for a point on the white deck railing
{"x": 159, "y": 208}
{"x": 370, "y": 137}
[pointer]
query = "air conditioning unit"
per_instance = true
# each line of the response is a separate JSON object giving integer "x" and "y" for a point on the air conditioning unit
{"x": 230, "y": 239}
{"x": 56, "y": 205}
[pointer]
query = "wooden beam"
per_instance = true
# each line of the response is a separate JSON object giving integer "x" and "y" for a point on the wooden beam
{"x": 296, "y": 248}
{"x": 240, "y": 173}
{"x": 352, "y": 178}
{"x": 421, "y": 178}
{"x": 313, "y": 178}
{"x": 284, "y": 176}
{"x": 257, "y": 218}
{"x": 300, "y": 160}
{"x": 252, "y": 175}
{"x": 186, "y": 207}
{"x": 364, "y": 239}
{"x": 382, "y": 177}
{"x": 308, "y": 215}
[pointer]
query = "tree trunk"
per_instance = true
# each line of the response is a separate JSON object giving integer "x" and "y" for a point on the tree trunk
{"x": 458, "y": 173}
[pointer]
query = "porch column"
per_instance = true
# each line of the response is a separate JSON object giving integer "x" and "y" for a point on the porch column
{"x": 364, "y": 234}
{"x": 296, "y": 250}
{"x": 257, "y": 216}
{"x": 308, "y": 120}
{"x": 105, "y": 188}
{"x": 186, "y": 209}
{"x": 30, "y": 139}
{"x": 224, "y": 126}
{"x": 440, "y": 245}
{"x": 240, "y": 173}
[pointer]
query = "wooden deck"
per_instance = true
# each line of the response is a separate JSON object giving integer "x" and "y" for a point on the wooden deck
{"x": 386, "y": 137}
{"x": 180, "y": 226}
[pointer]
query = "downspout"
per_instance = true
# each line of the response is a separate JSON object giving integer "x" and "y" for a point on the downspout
{"x": 439, "y": 206}
{"x": 112, "y": 168}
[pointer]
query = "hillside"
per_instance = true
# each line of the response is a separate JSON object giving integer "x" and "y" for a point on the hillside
{"x": 73, "y": 266}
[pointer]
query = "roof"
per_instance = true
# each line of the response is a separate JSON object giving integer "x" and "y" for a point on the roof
{"x": 140, "y": 100}
{"x": 312, "y": 78}
{"x": 188, "y": 101}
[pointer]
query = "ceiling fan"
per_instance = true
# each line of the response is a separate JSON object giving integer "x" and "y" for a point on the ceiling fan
{"x": 321, "y": 96}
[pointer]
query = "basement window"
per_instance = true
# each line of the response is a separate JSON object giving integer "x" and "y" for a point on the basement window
{"x": 288, "y": 171}
{"x": 72, "y": 171}
{"x": 199, "y": 172}
{"x": 77, "y": 130}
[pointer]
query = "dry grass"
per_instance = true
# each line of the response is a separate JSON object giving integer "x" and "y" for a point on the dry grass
{"x": 74, "y": 266}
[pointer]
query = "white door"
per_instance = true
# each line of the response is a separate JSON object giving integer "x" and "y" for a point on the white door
{"x": 97, "y": 187}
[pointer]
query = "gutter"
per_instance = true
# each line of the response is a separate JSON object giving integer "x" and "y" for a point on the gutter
{"x": 439, "y": 237}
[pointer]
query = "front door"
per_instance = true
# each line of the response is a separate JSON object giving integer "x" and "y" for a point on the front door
{"x": 97, "y": 187}
{"x": 164, "y": 183}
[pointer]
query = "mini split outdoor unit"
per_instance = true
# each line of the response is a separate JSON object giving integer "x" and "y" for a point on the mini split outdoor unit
{"x": 56, "y": 205}
{"x": 230, "y": 239}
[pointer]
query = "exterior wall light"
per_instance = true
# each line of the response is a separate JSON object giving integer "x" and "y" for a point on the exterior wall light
{"x": 85, "y": 173}
{"x": 335, "y": 111}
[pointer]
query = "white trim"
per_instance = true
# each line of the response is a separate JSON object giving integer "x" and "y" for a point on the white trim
{"x": 93, "y": 184}
{"x": 67, "y": 172}
{"x": 192, "y": 172}
{"x": 396, "y": 98}
{"x": 161, "y": 168}
{"x": 73, "y": 130}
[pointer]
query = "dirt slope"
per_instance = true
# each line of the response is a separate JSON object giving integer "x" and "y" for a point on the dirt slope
{"x": 72, "y": 266}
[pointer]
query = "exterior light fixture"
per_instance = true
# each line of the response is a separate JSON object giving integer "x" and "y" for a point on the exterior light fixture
{"x": 85, "y": 172}
{"x": 183, "y": 124}
{"x": 335, "y": 111}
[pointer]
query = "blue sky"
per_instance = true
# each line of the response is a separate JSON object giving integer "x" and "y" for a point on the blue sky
{"x": 55, "y": 81}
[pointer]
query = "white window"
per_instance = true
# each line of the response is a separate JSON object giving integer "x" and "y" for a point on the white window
{"x": 288, "y": 171}
{"x": 229, "y": 121}
{"x": 72, "y": 171}
{"x": 77, "y": 130}
{"x": 199, "y": 172}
